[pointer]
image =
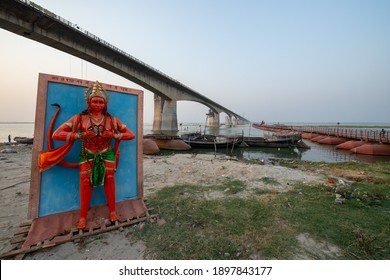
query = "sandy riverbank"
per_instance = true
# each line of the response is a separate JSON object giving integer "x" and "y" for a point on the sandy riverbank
{"x": 159, "y": 172}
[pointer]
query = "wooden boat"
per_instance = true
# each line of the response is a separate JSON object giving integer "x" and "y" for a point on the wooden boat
{"x": 294, "y": 137}
{"x": 24, "y": 140}
{"x": 253, "y": 141}
{"x": 275, "y": 141}
{"x": 198, "y": 140}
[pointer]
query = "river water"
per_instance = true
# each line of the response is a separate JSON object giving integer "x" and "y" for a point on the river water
{"x": 316, "y": 153}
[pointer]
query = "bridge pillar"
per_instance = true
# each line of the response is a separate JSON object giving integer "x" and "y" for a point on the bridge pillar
{"x": 228, "y": 121}
{"x": 213, "y": 120}
{"x": 157, "y": 118}
{"x": 165, "y": 116}
{"x": 169, "y": 117}
{"x": 234, "y": 121}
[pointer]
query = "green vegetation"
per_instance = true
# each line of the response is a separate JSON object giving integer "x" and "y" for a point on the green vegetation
{"x": 377, "y": 173}
{"x": 270, "y": 181}
{"x": 270, "y": 225}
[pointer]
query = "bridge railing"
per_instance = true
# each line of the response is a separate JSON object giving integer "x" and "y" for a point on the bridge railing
{"x": 358, "y": 134}
{"x": 96, "y": 38}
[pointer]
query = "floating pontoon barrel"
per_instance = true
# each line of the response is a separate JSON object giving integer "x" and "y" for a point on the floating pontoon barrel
{"x": 172, "y": 144}
{"x": 332, "y": 140}
{"x": 308, "y": 135}
{"x": 350, "y": 144}
{"x": 150, "y": 147}
{"x": 373, "y": 149}
{"x": 318, "y": 138}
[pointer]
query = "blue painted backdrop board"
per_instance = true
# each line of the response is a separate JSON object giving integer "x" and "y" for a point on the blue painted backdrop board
{"x": 59, "y": 185}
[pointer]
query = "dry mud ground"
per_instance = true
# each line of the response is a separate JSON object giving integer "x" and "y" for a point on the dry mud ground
{"x": 159, "y": 172}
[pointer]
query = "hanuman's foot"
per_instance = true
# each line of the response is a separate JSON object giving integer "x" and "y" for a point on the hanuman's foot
{"x": 82, "y": 224}
{"x": 113, "y": 216}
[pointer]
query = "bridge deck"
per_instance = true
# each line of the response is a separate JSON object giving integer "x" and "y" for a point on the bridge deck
{"x": 369, "y": 135}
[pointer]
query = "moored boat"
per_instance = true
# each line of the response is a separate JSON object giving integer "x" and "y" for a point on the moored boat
{"x": 276, "y": 140}
{"x": 272, "y": 142}
{"x": 198, "y": 140}
{"x": 24, "y": 140}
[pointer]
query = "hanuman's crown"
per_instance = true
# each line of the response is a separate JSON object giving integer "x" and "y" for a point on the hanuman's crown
{"x": 96, "y": 90}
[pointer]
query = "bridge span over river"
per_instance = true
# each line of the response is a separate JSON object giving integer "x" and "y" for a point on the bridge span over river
{"x": 32, "y": 21}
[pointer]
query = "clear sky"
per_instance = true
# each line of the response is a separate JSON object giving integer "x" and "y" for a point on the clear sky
{"x": 278, "y": 61}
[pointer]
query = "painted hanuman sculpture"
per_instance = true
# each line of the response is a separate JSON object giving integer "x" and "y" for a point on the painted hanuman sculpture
{"x": 95, "y": 128}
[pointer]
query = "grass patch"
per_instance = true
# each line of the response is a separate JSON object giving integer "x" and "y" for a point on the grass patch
{"x": 377, "y": 173}
{"x": 314, "y": 211}
{"x": 264, "y": 192}
{"x": 269, "y": 181}
{"x": 230, "y": 228}
{"x": 233, "y": 186}
{"x": 252, "y": 228}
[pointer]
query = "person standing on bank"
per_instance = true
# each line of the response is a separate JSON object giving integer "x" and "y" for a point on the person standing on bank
{"x": 95, "y": 128}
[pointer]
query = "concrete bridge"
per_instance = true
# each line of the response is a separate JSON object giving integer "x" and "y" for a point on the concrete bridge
{"x": 32, "y": 21}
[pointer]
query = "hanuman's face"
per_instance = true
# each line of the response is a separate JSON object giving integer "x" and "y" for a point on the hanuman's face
{"x": 97, "y": 104}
